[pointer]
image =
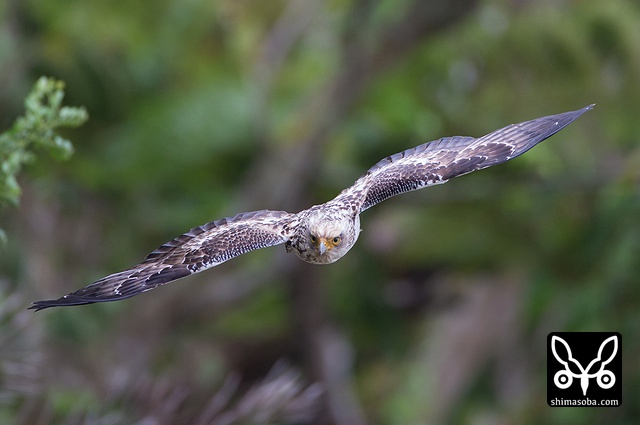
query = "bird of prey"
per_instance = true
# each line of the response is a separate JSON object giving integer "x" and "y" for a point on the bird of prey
{"x": 323, "y": 233}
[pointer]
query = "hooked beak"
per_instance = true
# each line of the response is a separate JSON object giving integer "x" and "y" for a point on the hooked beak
{"x": 322, "y": 247}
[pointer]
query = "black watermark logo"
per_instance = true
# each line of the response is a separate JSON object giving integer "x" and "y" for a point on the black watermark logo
{"x": 584, "y": 369}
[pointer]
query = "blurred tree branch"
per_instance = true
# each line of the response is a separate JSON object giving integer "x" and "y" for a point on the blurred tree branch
{"x": 361, "y": 61}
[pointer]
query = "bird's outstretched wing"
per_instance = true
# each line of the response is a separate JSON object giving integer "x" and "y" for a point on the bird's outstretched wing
{"x": 438, "y": 161}
{"x": 200, "y": 248}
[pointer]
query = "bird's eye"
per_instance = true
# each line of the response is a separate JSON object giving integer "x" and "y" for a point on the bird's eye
{"x": 313, "y": 239}
{"x": 336, "y": 241}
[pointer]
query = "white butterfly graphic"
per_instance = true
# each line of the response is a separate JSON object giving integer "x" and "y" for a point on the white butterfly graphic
{"x": 564, "y": 378}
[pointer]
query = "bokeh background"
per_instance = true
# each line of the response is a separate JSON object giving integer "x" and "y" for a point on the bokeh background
{"x": 200, "y": 109}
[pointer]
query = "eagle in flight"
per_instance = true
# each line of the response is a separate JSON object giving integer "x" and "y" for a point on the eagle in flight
{"x": 323, "y": 233}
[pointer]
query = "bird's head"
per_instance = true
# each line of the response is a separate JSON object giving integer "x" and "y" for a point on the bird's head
{"x": 330, "y": 238}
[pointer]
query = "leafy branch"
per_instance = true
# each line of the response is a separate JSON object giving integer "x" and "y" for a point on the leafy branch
{"x": 44, "y": 114}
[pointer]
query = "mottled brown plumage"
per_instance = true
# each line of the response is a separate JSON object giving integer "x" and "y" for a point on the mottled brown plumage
{"x": 323, "y": 233}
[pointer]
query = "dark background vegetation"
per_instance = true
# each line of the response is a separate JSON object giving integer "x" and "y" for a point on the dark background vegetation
{"x": 202, "y": 109}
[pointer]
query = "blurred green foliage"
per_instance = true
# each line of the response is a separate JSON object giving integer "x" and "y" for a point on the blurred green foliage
{"x": 203, "y": 109}
{"x": 44, "y": 114}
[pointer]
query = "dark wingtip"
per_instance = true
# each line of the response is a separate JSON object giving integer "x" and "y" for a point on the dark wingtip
{"x": 65, "y": 301}
{"x": 571, "y": 116}
{"x": 575, "y": 114}
{"x": 40, "y": 305}
{"x": 72, "y": 299}
{"x": 588, "y": 107}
